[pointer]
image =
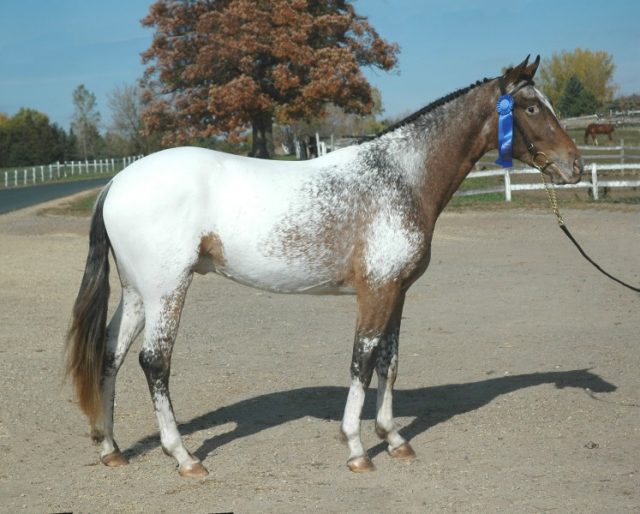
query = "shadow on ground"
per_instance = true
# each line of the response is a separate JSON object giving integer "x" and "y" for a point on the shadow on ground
{"x": 428, "y": 405}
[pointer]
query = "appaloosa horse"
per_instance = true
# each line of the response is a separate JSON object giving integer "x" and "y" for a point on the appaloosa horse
{"x": 593, "y": 129}
{"x": 356, "y": 221}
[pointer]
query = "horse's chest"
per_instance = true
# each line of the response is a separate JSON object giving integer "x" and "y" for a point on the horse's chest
{"x": 392, "y": 246}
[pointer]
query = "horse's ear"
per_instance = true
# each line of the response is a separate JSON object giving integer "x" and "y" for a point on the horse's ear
{"x": 523, "y": 71}
{"x": 530, "y": 70}
{"x": 513, "y": 75}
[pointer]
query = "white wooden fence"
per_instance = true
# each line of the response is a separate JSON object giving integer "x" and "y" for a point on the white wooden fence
{"x": 56, "y": 171}
{"x": 591, "y": 171}
{"x": 620, "y": 153}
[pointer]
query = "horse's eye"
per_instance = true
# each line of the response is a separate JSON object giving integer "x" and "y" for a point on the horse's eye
{"x": 532, "y": 109}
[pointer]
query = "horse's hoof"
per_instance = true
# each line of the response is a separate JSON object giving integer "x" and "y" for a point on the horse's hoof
{"x": 403, "y": 452}
{"x": 196, "y": 470}
{"x": 115, "y": 459}
{"x": 360, "y": 465}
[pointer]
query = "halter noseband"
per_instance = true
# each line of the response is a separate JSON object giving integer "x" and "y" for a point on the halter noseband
{"x": 507, "y": 117}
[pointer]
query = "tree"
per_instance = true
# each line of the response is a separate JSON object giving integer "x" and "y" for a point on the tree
{"x": 576, "y": 100}
{"x": 334, "y": 121}
{"x": 593, "y": 69}
{"x": 126, "y": 134}
{"x": 626, "y": 103}
{"x": 29, "y": 138}
{"x": 85, "y": 121}
{"x": 221, "y": 67}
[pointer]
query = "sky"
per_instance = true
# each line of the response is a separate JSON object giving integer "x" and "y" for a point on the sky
{"x": 49, "y": 47}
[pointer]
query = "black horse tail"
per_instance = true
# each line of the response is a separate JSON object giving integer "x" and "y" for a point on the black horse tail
{"x": 86, "y": 339}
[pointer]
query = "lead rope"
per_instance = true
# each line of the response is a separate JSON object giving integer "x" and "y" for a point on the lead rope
{"x": 553, "y": 203}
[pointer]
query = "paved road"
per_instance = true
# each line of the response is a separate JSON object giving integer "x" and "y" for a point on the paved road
{"x": 21, "y": 197}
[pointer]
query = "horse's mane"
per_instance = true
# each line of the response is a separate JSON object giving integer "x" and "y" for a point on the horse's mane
{"x": 432, "y": 106}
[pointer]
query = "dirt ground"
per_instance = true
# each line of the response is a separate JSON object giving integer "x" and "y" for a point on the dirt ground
{"x": 518, "y": 382}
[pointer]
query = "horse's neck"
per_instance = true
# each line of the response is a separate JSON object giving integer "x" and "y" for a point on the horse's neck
{"x": 464, "y": 130}
{"x": 433, "y": 153}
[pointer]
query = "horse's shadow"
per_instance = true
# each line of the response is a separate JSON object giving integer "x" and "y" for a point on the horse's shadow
{"x": 428, "y": 405}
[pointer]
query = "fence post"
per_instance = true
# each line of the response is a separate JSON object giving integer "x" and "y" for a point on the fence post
{"x": 6, "y": 179}
{"x": 622, "y": 152}
{"x": 24, "y": 176}
{"x": 594, "y": 181}
{"x": 507, "y": 185}
{"x": 33, "y": 174}
{"x": 15, "y": 178}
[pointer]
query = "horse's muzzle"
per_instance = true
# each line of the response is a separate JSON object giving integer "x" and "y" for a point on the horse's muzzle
{"x": 562, "y": 174}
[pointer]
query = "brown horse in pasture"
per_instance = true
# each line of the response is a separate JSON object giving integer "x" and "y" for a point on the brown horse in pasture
{"x": 593, "y": 129}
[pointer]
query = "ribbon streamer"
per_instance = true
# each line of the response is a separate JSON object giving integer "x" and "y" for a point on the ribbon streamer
{"x": 505, "y": 131}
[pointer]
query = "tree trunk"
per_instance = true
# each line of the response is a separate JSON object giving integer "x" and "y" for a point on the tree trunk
{"x": 262, "y": 130}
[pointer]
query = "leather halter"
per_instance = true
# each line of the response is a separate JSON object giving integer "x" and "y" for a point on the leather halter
{"x": 539, "y": 159}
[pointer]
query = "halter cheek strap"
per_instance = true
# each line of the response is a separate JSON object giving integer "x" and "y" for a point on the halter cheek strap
{"x": 506, "y": 123}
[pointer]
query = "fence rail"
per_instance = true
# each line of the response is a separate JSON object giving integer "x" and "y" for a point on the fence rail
{"x": 621, "y": 153}
{"x": 594, "y": 184}
{"x": 56, "y": 171}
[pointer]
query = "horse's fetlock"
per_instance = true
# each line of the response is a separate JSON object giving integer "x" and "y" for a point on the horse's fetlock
{"x": 97, "y": 435}
{"x": 382, "y": 432}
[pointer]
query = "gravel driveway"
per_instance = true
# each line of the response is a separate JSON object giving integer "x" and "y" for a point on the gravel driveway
{"x": 518, "y": 382}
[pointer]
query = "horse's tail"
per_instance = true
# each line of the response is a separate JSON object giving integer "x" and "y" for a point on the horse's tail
{"x": 586, "y": 135}
{"x": 86, "y": 339}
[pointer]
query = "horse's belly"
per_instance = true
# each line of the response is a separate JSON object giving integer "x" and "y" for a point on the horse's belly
{"x": 257, "y": 268}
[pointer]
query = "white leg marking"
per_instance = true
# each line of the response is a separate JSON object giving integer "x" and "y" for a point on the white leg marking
{"x": 169, "y": 435}
{"x": 124, "y": 327}
{"x": 385, "y": 424}
{"x": 351, "y": 419}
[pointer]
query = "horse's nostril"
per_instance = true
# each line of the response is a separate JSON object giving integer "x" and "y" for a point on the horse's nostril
{"x": 577, "y": 167}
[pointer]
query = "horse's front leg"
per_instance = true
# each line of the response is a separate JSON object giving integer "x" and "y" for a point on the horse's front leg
{"x": 387, "y": 370}
{"x": 376, "y": 309}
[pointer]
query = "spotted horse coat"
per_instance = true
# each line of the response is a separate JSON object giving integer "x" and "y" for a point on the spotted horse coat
{"x": 356, "y": 221}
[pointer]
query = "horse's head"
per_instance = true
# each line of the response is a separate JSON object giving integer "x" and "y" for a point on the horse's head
{"x": 538, "y": 138}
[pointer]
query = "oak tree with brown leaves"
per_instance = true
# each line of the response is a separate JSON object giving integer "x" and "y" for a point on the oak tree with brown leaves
{"x": 223, "y": 66}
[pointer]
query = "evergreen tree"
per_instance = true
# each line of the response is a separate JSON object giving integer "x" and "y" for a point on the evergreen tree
{"x": 576, "y": 100}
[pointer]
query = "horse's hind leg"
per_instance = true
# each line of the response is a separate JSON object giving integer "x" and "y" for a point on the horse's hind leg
{"x": 125, "y": 325}
{"x": 387, "y": 370}
{"x": 162, "y": 320}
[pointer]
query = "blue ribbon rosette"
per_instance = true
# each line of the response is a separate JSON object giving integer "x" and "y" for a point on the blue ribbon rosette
{"x": 505, "y": 131}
